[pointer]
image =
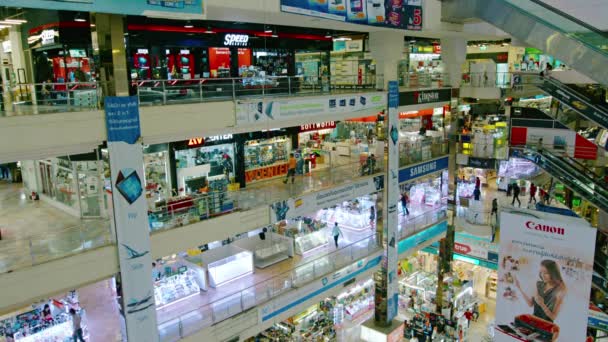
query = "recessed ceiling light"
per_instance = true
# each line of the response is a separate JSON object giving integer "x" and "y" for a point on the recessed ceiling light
{"x": 188, "y": 24}
{"x": 209, "y": 30}
{"x": 267, "y": 29}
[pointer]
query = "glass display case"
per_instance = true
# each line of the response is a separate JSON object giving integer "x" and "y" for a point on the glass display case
{"x": 175, "y": 287}
{"x": 230, "y": 267}
{"x": 308, "y": 242}
{"x": 353, "y": 215}
{"x": 269, "y": 254}
{"x": 262, "y": 153}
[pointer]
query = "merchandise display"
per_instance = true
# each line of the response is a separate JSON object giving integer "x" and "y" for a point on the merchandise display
{"x": 515, "y": 169}
{"x": 268, "y": 248}
{"x": 33, "y": 324}
{"x": 226, "y": 264}
{"x": 426, "y": 192}
{"x": 261, "y": 156}
{"x": 308, "y": 234}
{"x": 196, "y": 165}
{"x": 157, "y": 175}
{"x": 352, "y": 215}
{"x": 354, "y": 302}
{"x": 176, "y": 280}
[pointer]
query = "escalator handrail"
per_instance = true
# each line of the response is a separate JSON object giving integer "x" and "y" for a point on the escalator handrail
{"x": 585, "y": 174}
{"x": 572, "y": 91}
{"x": 571, "y": 18}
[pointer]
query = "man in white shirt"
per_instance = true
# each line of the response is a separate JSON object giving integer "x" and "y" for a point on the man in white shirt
{"x": 336, "y": 233}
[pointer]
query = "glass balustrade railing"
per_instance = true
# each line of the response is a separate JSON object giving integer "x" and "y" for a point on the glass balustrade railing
{"x": 409, "y": 226}
{"x": 178, "y": 326}
{"x": 572, "y": 27}
{"x": 416, "y": 153}
{"x": 37, "y": 249}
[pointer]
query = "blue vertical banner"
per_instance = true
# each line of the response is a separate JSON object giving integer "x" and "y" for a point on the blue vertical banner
{"x": 131, "y": 217}
{"x": 392, "y": 186}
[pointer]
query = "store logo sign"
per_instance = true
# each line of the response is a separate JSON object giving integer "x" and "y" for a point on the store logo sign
{"x": 422, "y": 169}
{"x": 199, "y": 141}
{"x": 231, "y": 39}
{"x": 545, "y": 228}
{"x": 461, "y": 249}
{"x": 426, "y": 97}
{"x": 317, "y": 126}
{"x": 47, "y": 37}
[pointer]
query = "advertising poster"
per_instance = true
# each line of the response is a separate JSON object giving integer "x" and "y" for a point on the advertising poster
{"x": 311, "y": 203}
{"x": 392, "y": 195}
{"x": 403, "y": 14}
{"x": 131, "y": 217}
{"x": 256, "y": 111}
{"x": 544, "y": 277}
{"x": 182, "y": 9}
{"x": 555, "y": 140}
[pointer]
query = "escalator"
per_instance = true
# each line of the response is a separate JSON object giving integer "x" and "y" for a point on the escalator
{"x": 577, "y": 101}
{"x": 578, "y": 44}
{"x": 571, "y": 173}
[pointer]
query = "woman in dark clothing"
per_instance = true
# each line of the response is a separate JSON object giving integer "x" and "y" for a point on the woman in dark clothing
{"x": 549, "y": 293}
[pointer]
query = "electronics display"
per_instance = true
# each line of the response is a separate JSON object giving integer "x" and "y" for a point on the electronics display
{"x": 270, "y": 254}
{"x": 129, "y": 186}
{"x": 353, "y": 215}
{"x": 175, "y": 287}
{"x": 308, "y": 242}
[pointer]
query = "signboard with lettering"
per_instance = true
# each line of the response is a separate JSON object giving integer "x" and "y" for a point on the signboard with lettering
{"x": 422, "y": 169}
{"x": 482, "y": 163}
{"x": 416, "y": 97}
{"x": 232, "y": 39}
{"x": 266, "y": 172}
{"x": 317, "y": 126}
{"x": 200, "y": 141}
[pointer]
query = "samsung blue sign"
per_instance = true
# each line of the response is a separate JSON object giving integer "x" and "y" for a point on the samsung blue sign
{"x": 422, "y": 169}
{"x": 426, "y": 235}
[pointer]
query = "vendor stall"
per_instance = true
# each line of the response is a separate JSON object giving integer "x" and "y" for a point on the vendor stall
{"x": 308, "y": 234}
{"x": 272, "y": 249}
{"x": 176, "y": 280}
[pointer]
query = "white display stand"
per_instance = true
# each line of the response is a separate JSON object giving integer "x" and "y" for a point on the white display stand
{"x": 179, "y": 287}
{"x": 227, "y": 263}
{"x": 311, "y": 241}
{"x": 476, "y": 213}
{"x": 274, "y": 249}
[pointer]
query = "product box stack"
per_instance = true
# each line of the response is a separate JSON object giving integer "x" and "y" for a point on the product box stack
{"x": 483, "y": 145}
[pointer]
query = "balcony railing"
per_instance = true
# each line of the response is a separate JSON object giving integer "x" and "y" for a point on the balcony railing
{"x": 412, "y": 225}
{"x": 513, "y": 80}
{"x": 198, "y": 207}
{"x": 163, "y": 92}
{"x": 186, "y": 324}
{"x": 410, "y": 154}
{"x": 40, "y": 248}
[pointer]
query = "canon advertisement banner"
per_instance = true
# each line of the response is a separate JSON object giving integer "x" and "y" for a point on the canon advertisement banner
{"x": 131, "y": 217}
{"x": 308, "y": 204}
{"x": 404, "y": 14}
{"x": 544, "y": 277}
{"x": 258, "y": 111}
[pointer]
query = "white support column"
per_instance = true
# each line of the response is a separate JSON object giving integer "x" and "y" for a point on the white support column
{"x": 17, "y": 55}
{"x": 453, "y": 55}
{"x": 387, "y": 51}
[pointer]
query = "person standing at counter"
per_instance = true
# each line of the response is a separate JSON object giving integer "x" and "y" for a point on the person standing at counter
{"x": 336, "y": 232}
{"x": 292, "y": 169}
{"x": 404, "y": 200}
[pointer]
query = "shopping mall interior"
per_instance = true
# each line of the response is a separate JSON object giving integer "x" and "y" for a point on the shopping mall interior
{"x": 303, "y": 170}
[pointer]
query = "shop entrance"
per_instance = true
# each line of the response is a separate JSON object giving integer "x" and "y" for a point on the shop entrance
{"x": 45, "y": 176}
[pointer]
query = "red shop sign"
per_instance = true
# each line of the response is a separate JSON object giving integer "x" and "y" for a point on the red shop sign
{"x": 317, "y": 126}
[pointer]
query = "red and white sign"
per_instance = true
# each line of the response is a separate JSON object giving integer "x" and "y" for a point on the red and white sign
{"x": 544, "y": 277}
{"x": 317, "y": 126}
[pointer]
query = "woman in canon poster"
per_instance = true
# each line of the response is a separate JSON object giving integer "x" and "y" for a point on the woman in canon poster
{"x": 549, "y": 293}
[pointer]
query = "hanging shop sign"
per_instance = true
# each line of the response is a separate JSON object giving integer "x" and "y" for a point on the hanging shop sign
{"x": 131, "y": 216}
{"x": 353, "y": 105}
{"x": 544, "y": 277}
{"x": 47, "y": 37}
{"x": 232, "y": 39}
{"x": 405, "y": 14}
{"x": 422, "y": 169}
{"x": 423, "y": 238}
{"x": 416, "y": 97}
{"x": 317, "y": 126}
{"x": 305, "y": 205}
{"x": 177, "y": 9}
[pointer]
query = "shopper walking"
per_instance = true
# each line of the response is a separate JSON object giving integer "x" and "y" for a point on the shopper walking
{"x": 468, "y": 315}
{"x": 477, "y": 183}
{"x": 494, "y": 207}
{"x": 476, "y": 194}
{"x": 76, "y": 328}
{"x": 337, "y": 233}
{"x": 292, "y": 169}
{"x": 532, "y": 193}
{"x": 475, "y": 312}
{"x": 405, "y": 199}
{"x": 372, "y": 217}
{"x": 516, "y": 191}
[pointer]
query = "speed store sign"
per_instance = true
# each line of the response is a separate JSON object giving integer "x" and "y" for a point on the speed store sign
{"x": 231, "y": 39}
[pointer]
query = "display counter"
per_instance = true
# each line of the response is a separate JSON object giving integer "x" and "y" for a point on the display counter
{"x": 177, "y": 280}
{"x": 275, "y": 248}
{"x": 226, "y": 264}
{"x": 307, "y": 234}
{"x": 352, "y": 215}
{"x": 30, "y": 325}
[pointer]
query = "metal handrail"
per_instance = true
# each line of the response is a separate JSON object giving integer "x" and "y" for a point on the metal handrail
{"x": 281, "y": 278}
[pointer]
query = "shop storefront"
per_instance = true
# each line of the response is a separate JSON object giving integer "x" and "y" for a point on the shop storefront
{"x": 266, "y": 154}
{"x": 422, "y": 135}
{"x": 72, "y": 183}
{"x": 163, "y": 49}
{"x": 49, "y": 320}
{"x": 426, "y": 193}
{"x": 350, "y": 65}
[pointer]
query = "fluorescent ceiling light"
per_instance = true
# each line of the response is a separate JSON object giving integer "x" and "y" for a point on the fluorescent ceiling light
{"x": 16, "y": 21}
{"x": 4, "y": 22}
{"x": 209, "y": 30}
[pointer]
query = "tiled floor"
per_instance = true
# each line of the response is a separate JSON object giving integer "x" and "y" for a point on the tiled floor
{"x": 102, "y": 316}
{"x": 34, "y": 231}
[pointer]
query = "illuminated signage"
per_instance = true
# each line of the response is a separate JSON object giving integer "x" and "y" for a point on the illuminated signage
{"x": 200, "y": 141}
{"x": 317, "y": 126}
{"x": 142, "y": 51}
{"x": 231, "y": 39}
{"x": 184, "y": 52}
{"x": 48, "y": 37}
